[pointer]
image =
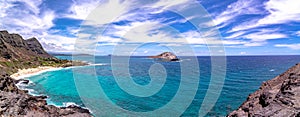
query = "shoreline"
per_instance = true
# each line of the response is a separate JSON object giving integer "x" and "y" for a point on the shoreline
{"x": 17, "y": 62}
{"x": 25, "y": 73}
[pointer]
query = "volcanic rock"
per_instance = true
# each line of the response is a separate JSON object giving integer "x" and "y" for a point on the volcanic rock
{"x": 278, "y": 97}
{"x": 166, "y": 56}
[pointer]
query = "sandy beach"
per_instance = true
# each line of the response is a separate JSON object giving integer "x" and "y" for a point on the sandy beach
{"x": 23, "y": 73}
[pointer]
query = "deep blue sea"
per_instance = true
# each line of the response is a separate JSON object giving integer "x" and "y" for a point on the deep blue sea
{"x": 244, "y": 75}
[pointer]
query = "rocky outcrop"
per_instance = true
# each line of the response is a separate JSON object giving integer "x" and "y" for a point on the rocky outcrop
{"x": 16, "y": 102}
{"x": 166, "y": 56}
{"x": 35, "y": 46}
{"x": 14, "y": 47}
{"x": 7, "y": 84}
{"x": 17, "y": 53}
{"x": 279, "y": 97}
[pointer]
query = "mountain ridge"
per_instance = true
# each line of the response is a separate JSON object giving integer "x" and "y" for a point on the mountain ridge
{"x": 14, "y": 47}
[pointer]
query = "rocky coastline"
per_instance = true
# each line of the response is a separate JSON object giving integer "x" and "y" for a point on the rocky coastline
{"x": 278, "y": 97}
{"x": 16, "y": 102}
{"x": 17, "y": 53}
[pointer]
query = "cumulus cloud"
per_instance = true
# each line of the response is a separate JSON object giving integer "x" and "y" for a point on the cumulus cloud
{"x": 26, "y": 17}
{"x": 80, "y": 10}
{"x": 29, "y": 21}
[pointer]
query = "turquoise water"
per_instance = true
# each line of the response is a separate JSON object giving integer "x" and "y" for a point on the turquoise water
{"x": 244, "y": 75}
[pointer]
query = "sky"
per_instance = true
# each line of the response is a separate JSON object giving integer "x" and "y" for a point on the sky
{"x": 189, "y": 27}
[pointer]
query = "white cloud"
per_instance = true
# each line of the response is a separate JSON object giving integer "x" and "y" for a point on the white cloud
{"x": 97, "y": 15}
{"x": 291, "y": 46}
{"x": 81, "y": 9}
{"x": 143, "y": 29}
{"x": 243, "y": 53}
{"x": 256, "y": 37}
{"x": 56, "y": 43}
{"x": 73, "y": 30}
{"x": 108, "y": 39}
{"x": 140, "y": 29}
{"x": 33, "y": 5}
{"x": 236, "y": 35}
{"x": 171, "y": 44}
{"x": 298, "y": 33}
{"x": 280, "y": 11}
{"x": 31, "y": 21}
{"x": 162, "y": 5}
{"x": 3, "y": 8}
{"x": 253, "y": 44}
{"x": 241, "y": 7}
{"x": 149, "y": 31}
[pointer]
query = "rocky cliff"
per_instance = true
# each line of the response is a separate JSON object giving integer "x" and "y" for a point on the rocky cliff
{"x": 17, "y": 53}
{"x": 14, "y": 47}
{"x": 279, "y": 97}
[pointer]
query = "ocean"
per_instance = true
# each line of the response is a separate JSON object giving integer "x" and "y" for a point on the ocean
{"x": 98, "y": 86}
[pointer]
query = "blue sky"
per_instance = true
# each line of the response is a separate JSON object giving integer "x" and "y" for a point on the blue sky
{"x": 247, "y": 27}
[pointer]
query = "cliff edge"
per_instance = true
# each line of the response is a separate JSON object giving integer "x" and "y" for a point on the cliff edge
{"x": 279, "y": 97}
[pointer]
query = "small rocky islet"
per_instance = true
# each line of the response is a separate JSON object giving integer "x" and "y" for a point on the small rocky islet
{"x": 166, "y": 56}
{"x": 17, "y": 53}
